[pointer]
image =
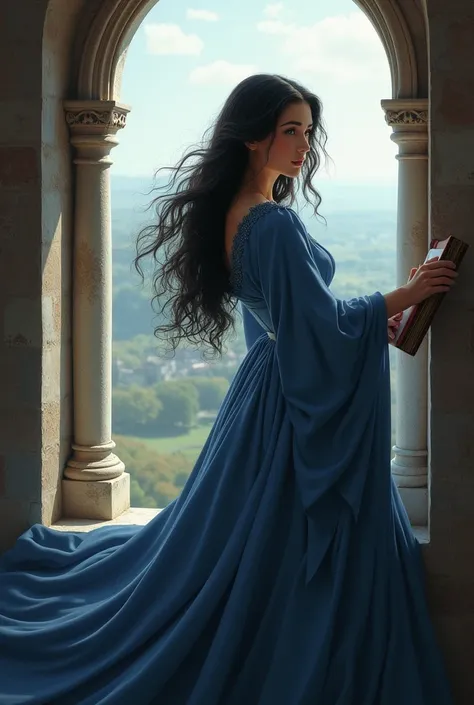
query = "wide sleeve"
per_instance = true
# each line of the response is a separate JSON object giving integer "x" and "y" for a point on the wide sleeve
{"x": 333, "y": 361}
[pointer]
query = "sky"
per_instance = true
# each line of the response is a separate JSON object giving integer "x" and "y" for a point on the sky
{"x": 188, "y": 55}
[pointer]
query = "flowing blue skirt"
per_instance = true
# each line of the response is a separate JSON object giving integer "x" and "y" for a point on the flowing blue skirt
{"x": 212, "y": 602}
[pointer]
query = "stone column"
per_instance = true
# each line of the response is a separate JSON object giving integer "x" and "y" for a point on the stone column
{"x": 95, "y": 485}
{"x": 409, "y": 121}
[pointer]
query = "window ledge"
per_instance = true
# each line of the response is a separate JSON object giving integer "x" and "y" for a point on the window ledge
{"x": 141, "y": 516}
{"x": 135, "y": 515}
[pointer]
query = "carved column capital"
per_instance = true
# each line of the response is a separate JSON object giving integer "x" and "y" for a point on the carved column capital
{"x": 409, "y": 120}
{"x": 99, "y": 116}
{"x": 406, "y": 113}
{"x": 93, "y": 125}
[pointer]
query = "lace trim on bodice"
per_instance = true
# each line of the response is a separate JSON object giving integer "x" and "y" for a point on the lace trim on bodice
{"x": 240, "y": 239}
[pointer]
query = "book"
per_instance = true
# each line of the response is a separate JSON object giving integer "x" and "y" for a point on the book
{"x": 416, "y": 320}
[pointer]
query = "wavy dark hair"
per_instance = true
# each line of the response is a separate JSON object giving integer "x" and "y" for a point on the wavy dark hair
{"x": 187, "y": 242}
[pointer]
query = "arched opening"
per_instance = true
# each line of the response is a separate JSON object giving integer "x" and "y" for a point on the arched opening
{"x": 340, "y": 57}
{"x": 105, "y": 39}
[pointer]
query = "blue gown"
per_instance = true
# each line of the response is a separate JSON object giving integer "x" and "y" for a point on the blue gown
{"x": 286, "y": 573}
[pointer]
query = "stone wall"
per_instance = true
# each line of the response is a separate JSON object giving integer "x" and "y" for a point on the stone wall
{"x": 20, "y": 267}
{"x": 56, "y": 253}
{"x": 35, "y": 261}
{"x": 450, "y": 556}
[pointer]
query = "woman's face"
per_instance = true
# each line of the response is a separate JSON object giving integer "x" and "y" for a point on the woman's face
{"x": 284, "y": 151}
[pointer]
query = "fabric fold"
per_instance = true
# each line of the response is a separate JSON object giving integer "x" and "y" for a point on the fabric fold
{"x": 331, "y": 402}
{"x": 286, "y": 572}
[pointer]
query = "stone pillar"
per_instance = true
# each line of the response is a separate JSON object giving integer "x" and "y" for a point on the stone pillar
{"x": 95, "y": 485}
{"x": 409, "y": 121}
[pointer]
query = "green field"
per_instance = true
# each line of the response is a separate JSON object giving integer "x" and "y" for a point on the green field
{"x": 189, "y": 444}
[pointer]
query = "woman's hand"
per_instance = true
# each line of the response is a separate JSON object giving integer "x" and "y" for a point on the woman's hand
{"x": 394, "y": 321}
{"x": 393, "y": 326}
{"x": 434, "y": 277}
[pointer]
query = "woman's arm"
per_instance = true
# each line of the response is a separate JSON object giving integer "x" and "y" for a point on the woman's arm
{"x": 434, "y": 277}
{"x": 397, "y": 301}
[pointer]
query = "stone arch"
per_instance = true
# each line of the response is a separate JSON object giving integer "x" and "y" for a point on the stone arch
{"x": 108, "y": 27}
{"x": 99, "y": 43}
{"x": 400, "y": 26}
{"x": 102, "y": 44}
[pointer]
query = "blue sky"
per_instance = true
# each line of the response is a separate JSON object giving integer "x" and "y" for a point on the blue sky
{"x": 187, "y": 56}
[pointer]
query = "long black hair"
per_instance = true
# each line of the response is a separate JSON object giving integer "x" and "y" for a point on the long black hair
{"x": 187, "y": 242}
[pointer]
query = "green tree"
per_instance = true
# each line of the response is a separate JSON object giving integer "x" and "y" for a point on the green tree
{"x": 132, "y": 353}
{"x": 138, "y": 498}
{"x": 156, "y": 479}
{"x": 135, "y": 410}
{"x": 211, "y": 391}
{"x": 180, "y": 404}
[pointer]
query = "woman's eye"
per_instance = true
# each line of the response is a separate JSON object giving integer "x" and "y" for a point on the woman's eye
{"x": 292, "y": 131}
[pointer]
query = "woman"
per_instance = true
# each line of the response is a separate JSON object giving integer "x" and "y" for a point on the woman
{"x": 286, "y": 573}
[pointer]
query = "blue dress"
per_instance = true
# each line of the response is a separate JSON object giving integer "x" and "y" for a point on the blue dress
{"x": 286, "y": 573}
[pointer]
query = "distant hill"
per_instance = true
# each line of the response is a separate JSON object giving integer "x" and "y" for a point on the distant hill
{"x": 131, "y": 192}
{"x": 135, "y": 192}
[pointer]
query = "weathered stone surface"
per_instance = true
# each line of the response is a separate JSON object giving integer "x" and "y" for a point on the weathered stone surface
{"x": 15, "y": 518}
{"x": 104, "y": 499}
{"x": 449, "y": 555}
{"x": 18, "y": 167}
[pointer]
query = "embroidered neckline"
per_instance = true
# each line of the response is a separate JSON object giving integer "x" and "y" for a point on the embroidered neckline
{"x": 240, "y": 239}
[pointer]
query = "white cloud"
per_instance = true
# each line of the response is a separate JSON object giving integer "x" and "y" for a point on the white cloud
{"x": 273, "y": 10}
{"x": 220, "y": 73}
{"x": 344, "y": 47}
{"x": 205, "y": 15}
{"x": 170, "y": 39}
{"x": 275, "y": 27}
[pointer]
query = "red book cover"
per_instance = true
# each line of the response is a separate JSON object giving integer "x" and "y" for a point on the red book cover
{"x": 417, "y": 320}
